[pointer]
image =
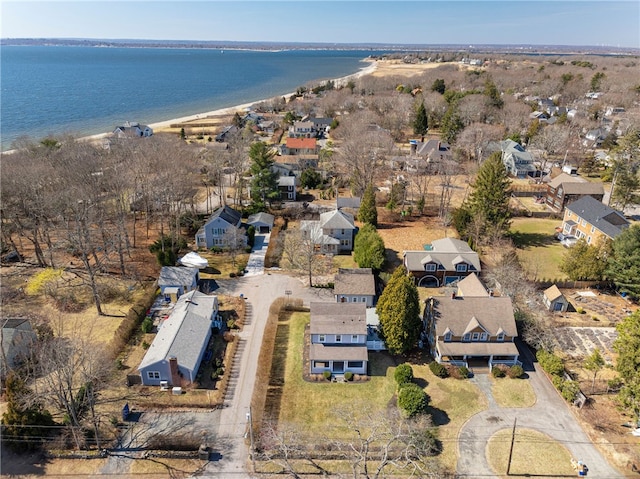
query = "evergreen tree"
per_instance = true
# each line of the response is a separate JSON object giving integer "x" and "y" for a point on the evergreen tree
{"x": 368, "y": 212}
{"x": 399, "y": 313}
{"x": 421, "y": 122}
{"x": 368, "y": 250}
{"x": 451, "y": 124}
{"x": 585, "y": 262}
{"x": 264, "y": 181}
{"x": 438, "y": 86}
{"x": 623, "y": 266}
{"x": 491, "y": 91}
{"x": 489, "y": 197}
{"x": 627, "y": 345}
{"x": 20, "y": 421}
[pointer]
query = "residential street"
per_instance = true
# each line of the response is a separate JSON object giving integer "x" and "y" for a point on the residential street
{"x": 550, "y": 415}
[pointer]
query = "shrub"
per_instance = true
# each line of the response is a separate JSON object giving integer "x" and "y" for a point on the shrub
{"x": 147, "y": 325}
{"x": 412, "y": 399}
{"x": 551, "y": 363}
{"x": 326, "y": 375}
{"x": 497, "y": 372}
{"x": 438, "y": 369}
{"x": 231, "y": 324}
{"x": 348, "y": 375}
{"x": 251, "y": 236}
{"x": 570, "y": 390}
{"x": 464, "y": 372}
{"x": 145, "y": 345}
{"x": 580, "y": 310}
{"x": 44, "y": 281}
{"x": 403, "y": 374}
{"x": 515, "y": 371}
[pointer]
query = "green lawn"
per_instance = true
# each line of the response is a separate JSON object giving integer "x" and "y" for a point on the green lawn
{"x": 513, "y": 392}
{"x": 221, "y": 264}
{"x": 314, "y": 405}
{"x": 344, "y": 261}
{"x": 538, "y": 250}
{"x": 534, "y": 454}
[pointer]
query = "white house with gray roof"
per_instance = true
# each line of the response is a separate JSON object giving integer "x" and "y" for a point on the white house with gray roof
{"x": 517, "y": 160}
{"x": 338, "y": 338}
{"x": 333, "y": 232}
{"x": 355, "y": 285}
{"x": 181, "y": 342}
{"x": 442, "y": 262}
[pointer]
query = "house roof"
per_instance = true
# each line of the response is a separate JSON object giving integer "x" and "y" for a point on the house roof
{"x": 338, "y": 318}
{"x": 264, "y": 218}
{"x": 574, "y": 185}
{"x": 471, "y": 286}
{"x": 477, "y": 348}
{"x": 446, "y": 251}
{"x": 287, "y": 181}
{"x": 491, "y": 313}
{"x": 302, "y": 124}
{"x": 176, "y": 275}
{"x": 609, "y": 221}
{"x": 434, "y": 149}
{"x": 344, "y": 202}
{"x": 552, "y": 293}
{"x": 17, "y": 338}
{"x": 336, "y": 219}
{"x": 301, "y": 143}
{"x": 183, "y": 332}
{"x": 227, "y": 214}
{"x": 359, "y": 281}
{"x": 332, "y": 352}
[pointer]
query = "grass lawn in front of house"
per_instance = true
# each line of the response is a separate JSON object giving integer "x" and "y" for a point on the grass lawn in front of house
{"x": 313, "y": 405}
{"x": 344, "y": 261}
{"x": 452, "y": 403}
{"x": 534, "y": 454}
{"x": 512, "y": 392}
{"x": 221, "y": 264}
{"x": 538, "y": 250}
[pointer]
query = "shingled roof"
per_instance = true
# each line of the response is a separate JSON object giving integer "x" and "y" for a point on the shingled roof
{"x": 354, "y": 281}
{"x": 611, "y": 222}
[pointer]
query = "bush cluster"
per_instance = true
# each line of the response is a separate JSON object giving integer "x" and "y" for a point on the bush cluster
{"x": 515, "y": 371}
{"x": 403, "y": 374}
{"x": 438, "y": 369}
{"x": 551, "y": 363}
{"x": 497, "y": 372}
{"x": 348, "y": 376}
{"x": 412, "y": 399}
{"x": 131, "y": 322}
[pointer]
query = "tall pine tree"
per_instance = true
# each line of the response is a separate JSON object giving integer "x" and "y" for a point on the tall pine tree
{"x": 399, "y": 312}
{"x": 368, "y": 248}
{"x": 264, "y": 182}
{"x": 368, "y": 212}
{"x": 421, "y": 122}
{"x": 489, "y": 198}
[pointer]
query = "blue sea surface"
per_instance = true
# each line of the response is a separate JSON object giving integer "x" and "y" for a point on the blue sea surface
{"x": 49, "y": 90}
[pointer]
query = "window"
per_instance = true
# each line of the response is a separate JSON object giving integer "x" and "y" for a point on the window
{"x": 290, "y": 188}
{"x": 320, "y": 364}
{"x": 447, "y": 337}
{"x": 483, "y": 336}
{"x": 461, "y": 268}
{"x": 364, "y": 300}
{"x": 475, "y": 337}
{"x": 500, "y": 336}
{"x": 338, "y": 338}
{"x": 321, "y": 338}
{"x": 153, "y": 374}
{"x": 354, "y": 364}
{"x": 589, "y": 240}
{"x": 290, "y": 196}
{"x": 354, "y": 338}
{"x": 584, "y": 222}
{"x": 345, "y": 242}
{"x": 593, "y": 229}
{"x": 429, "y": 267}
{"x": 342, "y": 231}
{"x": 465, "y": 337}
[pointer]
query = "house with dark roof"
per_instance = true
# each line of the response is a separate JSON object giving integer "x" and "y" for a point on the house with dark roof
{"x": 132, "y": 130}
{"x": 178, "y": 280}
{"x": 442, "y": 262}
{"x": 332, "y": 233}
{"x": 287, "y": 186}
{"x": 214, "y": 230}
{"x": 18, "y": 339}
{"x": 177, "y": 350}
{"x": 471, "y": 331}
{"x": 355, "y": 285}
{"x": 592, "y": 220}
{"x": 564, "y": 189}
{"x": 338, "y": 338}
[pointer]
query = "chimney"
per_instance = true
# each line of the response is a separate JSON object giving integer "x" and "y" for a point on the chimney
{"x": 453, "y": 295}
{"x": 173, "y": 368}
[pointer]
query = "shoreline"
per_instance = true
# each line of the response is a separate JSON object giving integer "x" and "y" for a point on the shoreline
{"x": 367, "y": 70}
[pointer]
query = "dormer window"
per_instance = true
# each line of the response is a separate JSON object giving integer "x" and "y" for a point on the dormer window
{"x": 461, "y": 268}
{"x": 447, "y": 336}
{"x": 338, "y": 338}
{"x": 321, "y": 338}
{"x": 430, "y": 267}
{"x": 466, "y": 337}
{"x": 475, "y": 337}
{"x": 500, "y": 336}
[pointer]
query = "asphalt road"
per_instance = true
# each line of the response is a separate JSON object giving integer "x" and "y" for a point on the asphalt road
{"x": 550, "y": 415}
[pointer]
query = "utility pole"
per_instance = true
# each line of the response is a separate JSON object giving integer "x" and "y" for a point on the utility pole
{"x": 513, "y": 437}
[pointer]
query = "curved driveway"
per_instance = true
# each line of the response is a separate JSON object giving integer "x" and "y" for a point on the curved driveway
{"x": 550, "y": 415}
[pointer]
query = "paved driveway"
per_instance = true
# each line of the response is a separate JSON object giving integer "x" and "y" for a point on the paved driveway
{"x": 255, "y": 265}
{"x": 550, "y": 415}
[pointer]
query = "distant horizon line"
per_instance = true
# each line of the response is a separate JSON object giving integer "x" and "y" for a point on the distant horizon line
{"x": 377, "y": 45}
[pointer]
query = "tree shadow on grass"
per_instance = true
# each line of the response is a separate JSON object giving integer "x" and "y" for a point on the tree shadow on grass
{"x": 439, "y": 417}
{"x": 530, "y": 240}
{"x": 22, "y": 464}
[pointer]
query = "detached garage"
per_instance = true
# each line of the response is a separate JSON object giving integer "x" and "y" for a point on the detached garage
{"x": 262, "y": 222}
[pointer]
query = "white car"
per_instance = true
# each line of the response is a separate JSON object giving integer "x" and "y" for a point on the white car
{"x": 569, "y": 241}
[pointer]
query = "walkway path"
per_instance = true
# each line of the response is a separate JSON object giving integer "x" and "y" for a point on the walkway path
{"x": 550, "y": 415}
{"x": 255, "y": 265}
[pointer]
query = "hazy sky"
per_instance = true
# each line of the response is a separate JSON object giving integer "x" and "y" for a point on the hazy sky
{"x": 614, "y": 23}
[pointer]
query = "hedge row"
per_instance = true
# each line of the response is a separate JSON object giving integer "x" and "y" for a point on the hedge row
{"x": 132, "y": 321}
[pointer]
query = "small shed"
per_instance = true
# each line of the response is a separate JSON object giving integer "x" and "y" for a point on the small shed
{"x": 554, "y": 300}
{"x": 262, "y": 222}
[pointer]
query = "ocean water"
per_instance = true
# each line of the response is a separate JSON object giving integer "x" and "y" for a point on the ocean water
{"x": 49, "y": 90}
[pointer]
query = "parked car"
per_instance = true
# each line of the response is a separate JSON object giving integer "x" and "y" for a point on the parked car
{"x": 569, "y": 241}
